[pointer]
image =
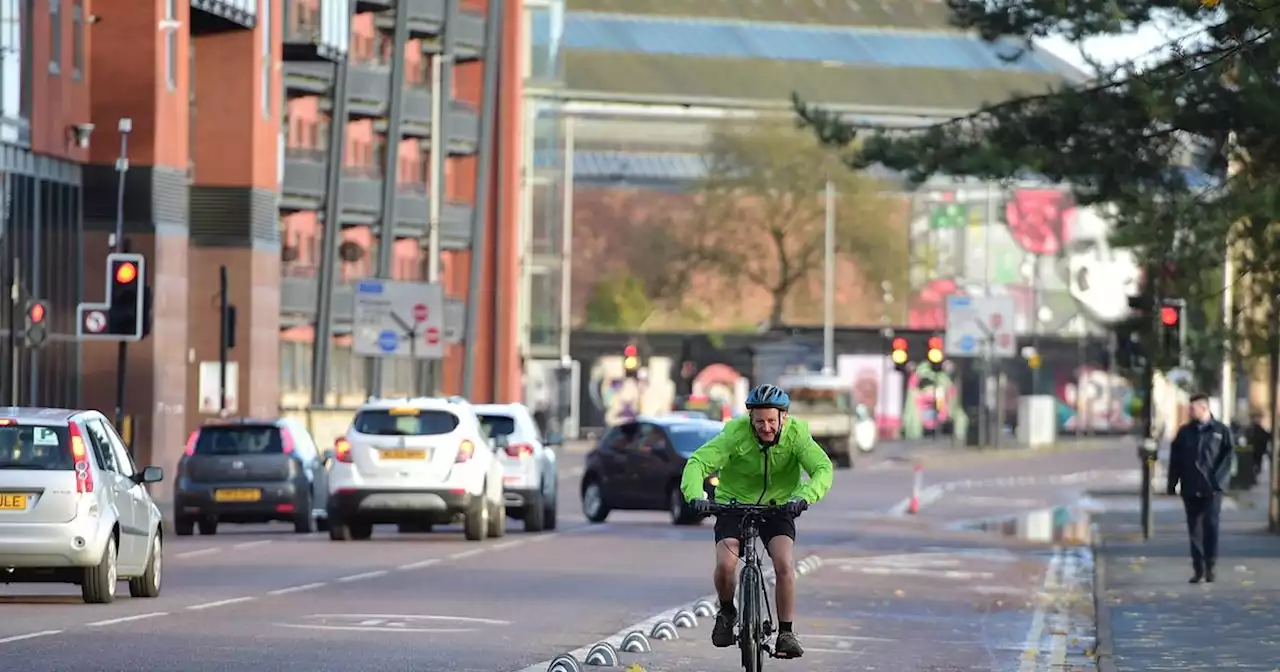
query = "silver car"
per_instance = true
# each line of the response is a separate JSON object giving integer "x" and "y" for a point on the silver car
{"x": 73, "y": 507}
{"x": 528, "y": 464}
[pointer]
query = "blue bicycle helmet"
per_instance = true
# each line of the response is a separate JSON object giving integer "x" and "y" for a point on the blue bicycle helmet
{"x": 768, "y": 396}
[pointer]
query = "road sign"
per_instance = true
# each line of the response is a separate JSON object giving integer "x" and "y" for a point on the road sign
{"x": 980, "y": 326}
{"x": 91, "y": 323}
{"x": 386, "y": 321}
{"x": 95, "y": 321}
{"x": 432, "y": 336}
{"x": 455, "y": 316}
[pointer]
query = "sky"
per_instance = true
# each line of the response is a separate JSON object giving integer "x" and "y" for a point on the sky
{"x": 1145, "y": 45}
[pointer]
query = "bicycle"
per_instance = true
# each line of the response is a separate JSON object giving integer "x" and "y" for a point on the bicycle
{"x": 753, "y": 627}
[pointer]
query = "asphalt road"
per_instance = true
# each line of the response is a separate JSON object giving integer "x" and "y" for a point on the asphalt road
{"x": 261, "y": 597}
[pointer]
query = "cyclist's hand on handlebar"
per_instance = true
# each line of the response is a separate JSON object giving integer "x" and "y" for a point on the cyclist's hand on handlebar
{"x": 797, "y": 506}
{"x": 700, "y": 506}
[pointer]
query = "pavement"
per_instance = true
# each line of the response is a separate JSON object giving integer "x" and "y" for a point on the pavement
{"x": 1150, "y": 618}
{"x": 876, "y": 583}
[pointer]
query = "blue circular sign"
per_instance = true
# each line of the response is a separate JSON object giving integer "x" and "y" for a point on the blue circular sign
{"x": 388, "y": 341}
{"x": 966, "y": 342}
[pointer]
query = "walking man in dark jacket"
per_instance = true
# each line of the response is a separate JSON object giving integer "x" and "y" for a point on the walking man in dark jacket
{"x": 1200, "y": 460}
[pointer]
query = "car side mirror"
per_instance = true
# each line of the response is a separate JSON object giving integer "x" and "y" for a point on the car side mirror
{"x": 327, "y": 456}
{"x": 555, "y": 439}
{"x": 149, "y": 475}
{"x": 501, "y": 442}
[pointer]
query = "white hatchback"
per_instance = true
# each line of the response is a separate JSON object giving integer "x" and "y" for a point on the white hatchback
{"x": 415, "y": 463}
{"x": 528, "y": 463}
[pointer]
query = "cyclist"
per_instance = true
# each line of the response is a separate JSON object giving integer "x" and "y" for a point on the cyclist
{"x": 759, "y": 458}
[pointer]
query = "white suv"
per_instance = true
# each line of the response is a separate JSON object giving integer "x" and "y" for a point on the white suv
{"x": 416, "y": 463}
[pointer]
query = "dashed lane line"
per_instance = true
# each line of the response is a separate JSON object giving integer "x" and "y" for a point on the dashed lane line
{"x": 126, "y": 619}
{"x": 297, "y": 589}
{"x": 221, "y": 603}
{"x": 362, "y": 576}
{"x": 30, "y": 635}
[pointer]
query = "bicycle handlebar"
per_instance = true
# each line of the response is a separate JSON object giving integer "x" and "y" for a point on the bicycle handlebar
{"x": 733, "y": 507}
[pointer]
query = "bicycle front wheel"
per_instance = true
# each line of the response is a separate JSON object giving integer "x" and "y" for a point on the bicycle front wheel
{"x": 751, "y": 629}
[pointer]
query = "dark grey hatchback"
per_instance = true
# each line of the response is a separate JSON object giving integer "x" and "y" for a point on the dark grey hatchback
{"x": 249, "y": 471}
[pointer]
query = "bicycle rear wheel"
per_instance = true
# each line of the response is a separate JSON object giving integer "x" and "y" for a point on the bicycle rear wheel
{"x": 751, "y": 631}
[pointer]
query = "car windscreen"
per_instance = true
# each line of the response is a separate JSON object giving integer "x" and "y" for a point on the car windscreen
{"x": 404, "y": 422}
{"x": 498, "y": 425}
{"x": 38, "y": 447}
{"x": 239, "y": 440}
{"x": 688, "y": 438}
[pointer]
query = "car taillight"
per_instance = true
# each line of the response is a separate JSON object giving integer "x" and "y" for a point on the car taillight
{"x": 520, "y": 450}
{"x": 286, "y": 440}
{"x": 342, "y": 450}
{"x": 191, "y": 442}
{"x": 465, "y": 450}
{"x": 84, "y": 477}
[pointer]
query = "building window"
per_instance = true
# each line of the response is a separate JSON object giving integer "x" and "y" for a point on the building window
{"x": 14, "y": 67}
{"x": 55, "y": 36}
{"x": 171, "y": 45}
{"x": 77, "y": 39}
{"x": 265, "y": 14}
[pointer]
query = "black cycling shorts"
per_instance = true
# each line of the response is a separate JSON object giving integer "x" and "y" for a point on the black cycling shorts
{"x": 730, "y": 527}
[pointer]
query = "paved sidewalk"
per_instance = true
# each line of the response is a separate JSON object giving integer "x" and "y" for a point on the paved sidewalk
{"x": 1150, "y": 618}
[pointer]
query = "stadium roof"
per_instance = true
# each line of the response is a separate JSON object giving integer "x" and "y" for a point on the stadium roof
{"x": 880, "y": 13}
{"x": 718, "y": 61}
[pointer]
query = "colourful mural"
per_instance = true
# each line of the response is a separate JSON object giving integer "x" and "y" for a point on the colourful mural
{"x": 1091, "y": 399}
{"x": 1035, "y": 245}
{"x": 613, "y": 397}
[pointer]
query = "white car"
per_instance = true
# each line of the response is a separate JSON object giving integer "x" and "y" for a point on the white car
{"x": 416, "y": 463}
{"x": 73, "y": 507}
{"x": 528, "y": 463}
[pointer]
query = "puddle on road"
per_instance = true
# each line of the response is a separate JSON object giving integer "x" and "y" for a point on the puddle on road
{"x": 1066, "y": 525}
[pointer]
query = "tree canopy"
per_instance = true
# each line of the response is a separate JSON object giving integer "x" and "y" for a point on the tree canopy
{"x": 1134, "y": 137}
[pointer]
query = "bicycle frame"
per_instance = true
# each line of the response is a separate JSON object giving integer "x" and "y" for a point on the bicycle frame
{"x": 755, "y": 614}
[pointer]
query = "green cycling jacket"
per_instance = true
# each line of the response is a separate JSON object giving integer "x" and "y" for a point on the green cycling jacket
{"x": 735, "y": 453}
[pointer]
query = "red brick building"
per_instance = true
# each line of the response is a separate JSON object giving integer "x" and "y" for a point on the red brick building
{"x": 230, "y": 103}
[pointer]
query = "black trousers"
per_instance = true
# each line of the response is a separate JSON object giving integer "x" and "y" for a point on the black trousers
{"x": 1203, "y": 514}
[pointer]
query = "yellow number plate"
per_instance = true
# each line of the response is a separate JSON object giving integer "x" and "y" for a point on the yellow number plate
{"x": 10, "y": 502}
{"x": 404, "y": 454}
{"x": 237, "y": 495}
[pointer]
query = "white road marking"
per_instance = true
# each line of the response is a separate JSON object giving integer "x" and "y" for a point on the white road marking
{"x": 417, "y": 617}
{"x": 507, "y": 544}
{"x": 362, "y": 576}
{"x": 1031, "y": 647}
{"x": 358, "y": 628}
{"x": 220, "y": 603}
{"x": 296, "y": 589}
{"x": 253, "y": 544}
{"x": 30, "y": 635}
{"x": 467, "y": 554}
{"x": 418, "y": 565}
{"x": 198, "y": 552}
{"x": 646, "y": 625}
{"x": 126, "y": 619}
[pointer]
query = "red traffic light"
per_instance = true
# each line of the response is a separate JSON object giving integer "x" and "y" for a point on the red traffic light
{"x": 1168, "y": 316}
{"x": 126, "y": 273}
{"x": 899, "y": 343}
{"x": 630, "y": 350}
{"x": 935, "y": 342}
{"x": 36, "y": 313}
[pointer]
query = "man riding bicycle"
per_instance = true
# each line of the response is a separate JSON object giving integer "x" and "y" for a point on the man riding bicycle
{"x": 759, "y": 459}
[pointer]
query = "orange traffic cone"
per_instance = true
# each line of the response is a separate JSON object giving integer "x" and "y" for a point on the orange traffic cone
{"x": 914, "y": 506}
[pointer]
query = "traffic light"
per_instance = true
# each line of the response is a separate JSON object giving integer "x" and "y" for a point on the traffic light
{"x": 1173, "y": 328}
{"x": 36, "y": 330}
{"x": 899, "y": 354}
{"x": 934, "y": 354}
{"x": 631, "y": 360}
{"x": 126, "y": 296}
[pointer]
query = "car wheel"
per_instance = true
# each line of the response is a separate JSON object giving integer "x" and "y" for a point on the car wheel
{"x": 184, "y": 526}
{"x": 477, "y": 520}
{"x": 99, "y": 583}
{"x": 843, "y": 461}
{"x": 305, "y": 523}
{"x": 322, "y": 524}
{"x": 148, "y": 585}
{"x": 341, "y": 530}
{"x": 534, "y": 514}
{"x": 679, "y": 509}
{"x": 208, "y": 526}
{"x": 549, "y": 517}
{"x": 594, "y": 506}
{"x": 497, "y": 520}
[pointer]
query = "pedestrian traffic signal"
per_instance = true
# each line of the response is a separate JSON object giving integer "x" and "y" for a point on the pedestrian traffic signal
{"x": 934, "y": 353}
{"x": 631, "y": 360}
{"x": 36, "y": 331}
{"x": 126, "y": 296}
{"x": 899, "y": 354}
